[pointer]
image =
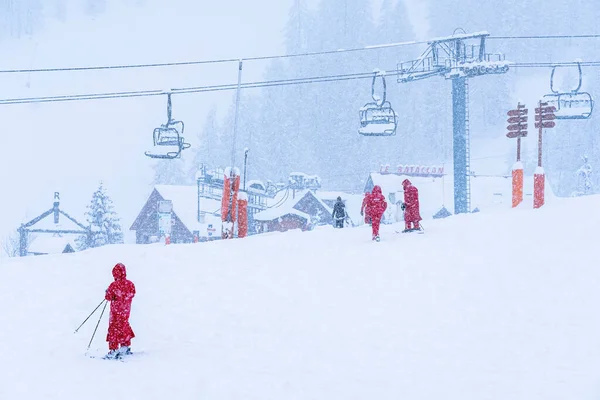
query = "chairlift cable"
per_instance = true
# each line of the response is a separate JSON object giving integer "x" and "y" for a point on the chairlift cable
{"x": 197, "y": 89}
{"x": 268, "y": 57}
{"x": 249, "y": 85}
{"x": 215, "y": 61}
{"x": 545, "y": 37}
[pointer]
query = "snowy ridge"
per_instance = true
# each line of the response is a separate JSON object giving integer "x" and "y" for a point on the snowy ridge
{"x": 483, "y": 306}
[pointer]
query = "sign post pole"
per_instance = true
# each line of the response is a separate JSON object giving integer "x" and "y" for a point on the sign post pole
{"x": 517, "y": 129}
{"x": 544, "y": 117}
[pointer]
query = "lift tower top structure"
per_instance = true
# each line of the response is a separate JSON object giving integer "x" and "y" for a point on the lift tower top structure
{"x": 457, "y": 58}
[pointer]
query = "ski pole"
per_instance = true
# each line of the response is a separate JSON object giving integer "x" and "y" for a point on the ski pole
{"x": 94, "y": 334}
{"x": 89, "y": 316}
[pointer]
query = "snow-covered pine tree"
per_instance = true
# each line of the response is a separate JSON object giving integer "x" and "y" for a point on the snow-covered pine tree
{"x": 20, "y": 18}
{"x": 208, "y": 145}
{"x": 298, "y": 28}
{"x": 103, "y": 220}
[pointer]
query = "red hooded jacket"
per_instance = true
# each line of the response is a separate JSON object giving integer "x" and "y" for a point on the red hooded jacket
{"x": 363, "y": 207}
{"x": 120, "y": 293}
{"x": 376, "y": 204}
{"x": 411, "y": 200}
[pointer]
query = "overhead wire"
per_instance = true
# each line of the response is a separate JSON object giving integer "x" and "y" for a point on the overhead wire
{"x": 271, "y": 57}
{"x": 204, "y": 62}
{"x": 195, "y": 89}
{"x": 545, "y": 37}
{"x": 248, "y": 85}
{"x": 554, "y": 64}
{"x": 258, "y": 84}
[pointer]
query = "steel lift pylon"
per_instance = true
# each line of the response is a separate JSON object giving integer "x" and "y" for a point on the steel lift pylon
{"x": 457, "y": 58}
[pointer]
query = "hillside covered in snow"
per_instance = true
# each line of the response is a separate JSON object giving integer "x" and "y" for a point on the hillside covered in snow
{"x": 484, "y": 306}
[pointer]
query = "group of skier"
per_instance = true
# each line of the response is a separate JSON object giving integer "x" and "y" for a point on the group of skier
{"x": 374, "y": 205}
{"x": 120, "y": 293}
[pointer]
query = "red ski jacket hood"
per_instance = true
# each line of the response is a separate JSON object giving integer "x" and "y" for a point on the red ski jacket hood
{"x": 406, "y": 183}
{"x": 119, "y": 272}
{"x": 376, "y": 204}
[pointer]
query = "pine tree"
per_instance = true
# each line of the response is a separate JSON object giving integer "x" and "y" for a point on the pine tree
{"x": 206, "y": 144}
{"x": 103, "y": 221}
{"x": 19, "y": 18}
{"x": 33, "y": 16}
{"x": 298, "y": 28}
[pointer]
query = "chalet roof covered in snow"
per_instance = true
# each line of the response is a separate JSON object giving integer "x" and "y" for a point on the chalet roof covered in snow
{"x": 52, "y": 244}
{"x": 285, "y": 202}
{"x": 353, "y": 203}
{"x": 185, "y": 205}
{"x": 64, "y": 223}
{"x": 271, "y": 214}
{"x": 256, "y": 185}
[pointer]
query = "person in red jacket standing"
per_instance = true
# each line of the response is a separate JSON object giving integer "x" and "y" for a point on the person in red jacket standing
{"x": 376, "y": 206}
{"x": 364, "y": 211}
{"x": 120, "y": 293}
{"x": 411, "y": 207}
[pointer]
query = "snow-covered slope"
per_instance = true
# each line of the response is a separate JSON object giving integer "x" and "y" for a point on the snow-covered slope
{"x": 483, "y": 306}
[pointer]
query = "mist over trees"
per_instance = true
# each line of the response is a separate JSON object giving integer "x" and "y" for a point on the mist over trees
{"x": 313, "y": 127}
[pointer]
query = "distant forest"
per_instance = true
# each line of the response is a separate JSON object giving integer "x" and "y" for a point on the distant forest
{"x": 313, "y": 128}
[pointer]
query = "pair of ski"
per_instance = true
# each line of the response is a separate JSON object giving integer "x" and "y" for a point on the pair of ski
{"x": 120, "y": 357}
{"x": 419, "y": 231}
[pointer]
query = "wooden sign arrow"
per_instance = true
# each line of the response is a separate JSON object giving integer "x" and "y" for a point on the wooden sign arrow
{"x": 517, "y": 113}
{"x": 517, "y": 120}
{"x": 545, "y": 110}
{"x": 513, "y": 135}
{"x": 516, "y": 127}
{"x": 546, "y": 124}
{"x": 545, "y": 117}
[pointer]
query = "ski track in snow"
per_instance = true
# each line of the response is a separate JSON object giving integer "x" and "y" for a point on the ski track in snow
{"x": 483, "y": 306}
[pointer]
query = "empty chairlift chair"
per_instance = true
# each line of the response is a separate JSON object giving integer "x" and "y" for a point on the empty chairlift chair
{"x": 168, "y": 138}
{"x": 378, "y": 118}
{"x": 570, "y": 105}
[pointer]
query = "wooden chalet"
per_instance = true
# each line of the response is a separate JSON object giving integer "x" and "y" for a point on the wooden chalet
{"x": 293, "y": 210}
{"x": 191, "y": 215}
{"x": 353, "y": 203}
{"x": 50, "y": 222}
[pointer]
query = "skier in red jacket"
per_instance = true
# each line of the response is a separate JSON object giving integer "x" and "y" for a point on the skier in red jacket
{"x": 120, "y": 294}
{"x": 364, "y": 211}
{"x": 411, "y": 207}
{"x": 376, "y": 206}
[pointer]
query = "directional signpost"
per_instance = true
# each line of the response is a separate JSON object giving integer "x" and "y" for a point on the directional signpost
{"x": 544, "y": 117}
{"x": 518, "y": 126}
{"x": 517, "y": 129}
